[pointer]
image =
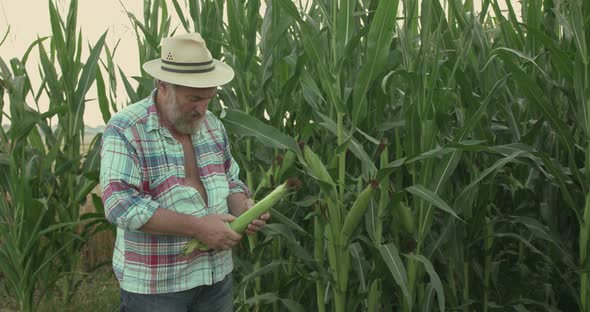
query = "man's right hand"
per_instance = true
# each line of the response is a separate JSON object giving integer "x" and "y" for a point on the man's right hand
{"x": 214, "y": 231}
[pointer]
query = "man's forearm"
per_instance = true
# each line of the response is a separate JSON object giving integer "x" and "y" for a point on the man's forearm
{"x": 167, "y": 222}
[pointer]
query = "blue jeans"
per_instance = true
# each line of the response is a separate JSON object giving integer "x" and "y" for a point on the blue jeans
{"x": 207, "y": 298}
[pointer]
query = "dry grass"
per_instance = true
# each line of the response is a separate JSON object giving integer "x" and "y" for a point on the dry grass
{"x": 99, "y": 250}
{"x": 98, "y": 292}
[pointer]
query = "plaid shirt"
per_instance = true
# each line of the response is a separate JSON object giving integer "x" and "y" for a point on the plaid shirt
{"x": 142, "y": 169}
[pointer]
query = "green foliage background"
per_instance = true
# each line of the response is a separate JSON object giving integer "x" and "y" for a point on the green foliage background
{"x": 444, "y": 151}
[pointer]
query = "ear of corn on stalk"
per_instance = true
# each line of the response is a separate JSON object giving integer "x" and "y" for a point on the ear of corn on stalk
{"x": 316, "y": 166}
{"x": 241, "y": 223}
{"x": 406, "y": 217}
{"x": 288, "y": 163}
{"x": 279, "y": 168}
{"x": 354, "y": 216}
{"x": 374, "y": 295}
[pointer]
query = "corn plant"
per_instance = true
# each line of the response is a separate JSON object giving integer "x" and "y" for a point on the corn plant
{"x": 66, "y": 81}
{"x": 27, "y": 256}
{"x": 149, "y": 32}
{"x": 562, "y": 34}
{"x": 443, "y": 150}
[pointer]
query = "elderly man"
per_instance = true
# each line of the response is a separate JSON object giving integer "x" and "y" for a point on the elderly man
{"x": 167, "y": 177}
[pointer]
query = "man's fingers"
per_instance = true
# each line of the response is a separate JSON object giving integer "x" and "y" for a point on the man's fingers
{"x": 257, "y": 223}
{"x": 227, "y": 217}
{"x": 233, "y": 235}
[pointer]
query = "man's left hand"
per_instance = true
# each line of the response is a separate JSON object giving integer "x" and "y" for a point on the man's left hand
{"x": 257, "y": 224}
{"x": 238, "y": 203}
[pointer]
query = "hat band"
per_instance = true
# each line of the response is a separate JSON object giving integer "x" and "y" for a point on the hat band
{"x": 188, "y": 68}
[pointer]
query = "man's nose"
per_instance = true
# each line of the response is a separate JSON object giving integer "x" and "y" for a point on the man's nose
{"x": 201, "y": 107}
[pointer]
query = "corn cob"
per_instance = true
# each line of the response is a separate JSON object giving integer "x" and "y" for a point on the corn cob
{"x": 384, "y": 194}
{"x": 406, "y": 218}
{"x": 241, "y": 223}
{"x": 354, "y": 216}
{"x": 374, "y": 296}
{"x": 269, "y": 177}
{"x": 316, "y": 166}
{"x": 288, "y": 162}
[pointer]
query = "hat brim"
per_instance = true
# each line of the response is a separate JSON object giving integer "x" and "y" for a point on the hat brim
{"x": 221, "y": 75}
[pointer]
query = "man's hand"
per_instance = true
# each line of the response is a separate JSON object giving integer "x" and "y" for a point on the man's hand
{"x": 213, "y": 231}
{"x": 238, "y": 203}
{"x": 256, "y": 224}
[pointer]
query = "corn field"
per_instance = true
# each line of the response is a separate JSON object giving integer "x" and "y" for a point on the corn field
{"x": 443, "y": 150}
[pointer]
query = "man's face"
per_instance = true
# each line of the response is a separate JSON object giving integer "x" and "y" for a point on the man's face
{"x": 186, "y": 107}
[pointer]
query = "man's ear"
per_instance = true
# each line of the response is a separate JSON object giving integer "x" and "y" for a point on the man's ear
{"x": 163, "y": 87}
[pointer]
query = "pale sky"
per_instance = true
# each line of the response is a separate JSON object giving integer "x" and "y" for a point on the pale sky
{"x": 29, "y": 19}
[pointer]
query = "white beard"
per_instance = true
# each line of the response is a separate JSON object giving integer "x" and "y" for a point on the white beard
{"x": 183, "y": 122}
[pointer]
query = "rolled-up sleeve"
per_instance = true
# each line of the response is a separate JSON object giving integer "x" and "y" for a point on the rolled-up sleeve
{"x": 232, "y": 169}
{"x": 125, "y": 204}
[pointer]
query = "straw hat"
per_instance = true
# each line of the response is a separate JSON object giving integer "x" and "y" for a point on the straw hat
{"x": 186, "y": 61}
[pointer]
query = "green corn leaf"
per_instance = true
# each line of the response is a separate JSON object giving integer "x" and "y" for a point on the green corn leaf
{"x": 268, "y": 298}
{"x": 372, "y": 219}
{"x": 562, "y": 180}
{"x": 359, "y": 262}
{"x": 580, "y": 30}
{"x": 378, "y": 43}
{"x": 86, "y": 80}
{"x": 181, "y": 16}
{"x": 57, "y": 37}
{"x": 560, "y": 58}
{"x": 25, "y": 57}
{"x": 355, "y": 147}
{"x": 5, "y": 36}
{"x": 241, "y": 123}
{"x": 71, "y": 27}
{"x": 541, "y": 231}
{"x": 88, "y": 72}
{"x": 430, "y": 197}
{"x": 103, "y": 101}
{"x": 133, "y": 96}
{"x": 291, "y": 9}
{"x": 434, "y": 280}
{"x": 278, "y": 216}
{"x": 498, "y": 164}
{"x": 429, "y": 298}
{"x": 276, "y": 230}
{"x": 390, "y": 255}
{"x": 273, "y": 266}
{"x": 343, "y": 28}
{"x": 537, "y": 97}
{"x": 49, "y": 74}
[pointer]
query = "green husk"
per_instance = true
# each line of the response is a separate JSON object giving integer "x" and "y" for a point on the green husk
{"x": 241, "y": 223}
